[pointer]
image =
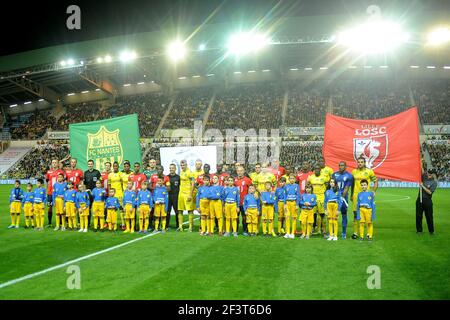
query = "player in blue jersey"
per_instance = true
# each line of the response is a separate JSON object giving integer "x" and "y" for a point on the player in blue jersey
{"x": 344, "y": 181}
{"x": 365, "y": 210}
{"x": 332, "y": 206}
{"x": 27, "y": 203}
{"x": 40, "y": 196}
{"x": 308, "y": 203}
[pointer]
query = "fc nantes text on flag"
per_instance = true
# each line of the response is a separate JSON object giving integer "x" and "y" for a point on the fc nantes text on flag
{"x": 110, "y": 140}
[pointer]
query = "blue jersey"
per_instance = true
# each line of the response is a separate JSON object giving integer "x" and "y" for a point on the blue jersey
{"x": 112, "y": 203}
{"x": 82, "y": 197}
{"x": 160, "y": 195}
{"x": 28, "y": 197}
{"x": 232, "y": 195}
{"x": 145, "y": 197}
{"x": 293, "y": 192}
{"x": 332, "y": 196}
{"x": 251, "y": 202}
{"x": 129, "y": 197}
{"x": 366, "y": 199}
{"x": 343, "y": 180}
{"x": 99, "y": 195}
{"x": 270, "y": 199}
{"x": 70, "y": 196}
{"x": 39, "y": 195}
{"x": 59, "y": 188}
{"x": 309, "y": 198}
{"x": 216, "y": 193}
{"x": 202, "y": 193}
{"x": 280, "y": 193}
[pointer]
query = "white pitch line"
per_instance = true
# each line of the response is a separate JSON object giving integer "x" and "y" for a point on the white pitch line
{"x": 59, "y": 266}
{"x": 393, "y": 200}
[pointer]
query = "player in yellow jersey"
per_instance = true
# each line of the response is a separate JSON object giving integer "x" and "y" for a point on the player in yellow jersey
{"x": 325, "y": 170}
{"x": 319, "y": 184}
{"x": 115, "y": 182}
{"x": 264, "y": 177}
{"x": 255, "y": 175}
{"x": 186, "y": 196}
{"x": 361, "y": 173}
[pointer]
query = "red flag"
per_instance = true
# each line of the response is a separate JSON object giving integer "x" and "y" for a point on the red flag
{"x": 390, "y": 145}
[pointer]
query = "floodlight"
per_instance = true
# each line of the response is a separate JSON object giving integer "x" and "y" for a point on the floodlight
{"x": 108, "y": 58}
{"x": 246, "y": 42}
{"x": 126, "y": 56}
{"x": 99, "y": 59}
{"x": 70, "y": 62}
{"x": 202, "y": 47}
{"x": 438, "y": 36}
{"x": 62, "y": 63}
{"x": 373, "y": 37}
{"x": 176, "y": 50}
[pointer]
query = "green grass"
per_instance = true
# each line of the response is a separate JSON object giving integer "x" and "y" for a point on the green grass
{"x": 187, "y": 266}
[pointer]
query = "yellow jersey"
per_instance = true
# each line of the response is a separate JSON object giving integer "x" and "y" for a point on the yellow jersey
{"x": 115, "y": 181}
{"x": 327, "y": 172}
{"x": 264, "y": 177}
{"x": 125, "y": 177}
{"x": 318, "y": 183}
{"x": 359, "y": 175}
{"x": 186, "y": 178}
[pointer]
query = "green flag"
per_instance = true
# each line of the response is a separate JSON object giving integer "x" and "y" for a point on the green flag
{"x": 115, "y": 139}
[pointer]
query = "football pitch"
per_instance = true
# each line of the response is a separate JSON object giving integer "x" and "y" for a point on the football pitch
{"x": 34, "y": 265}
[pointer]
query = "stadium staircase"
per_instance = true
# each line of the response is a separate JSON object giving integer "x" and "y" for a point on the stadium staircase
{"x": 208, "y": 111}
{"x": 164, "y": 118}
{"x": 284, "y": 109}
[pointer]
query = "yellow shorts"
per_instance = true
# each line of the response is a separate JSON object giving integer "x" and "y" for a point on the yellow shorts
{"x": 307, "y": 216}
{"x": 231, "y": 210}
{"x": 16, "y": 207}
{"x": 252, "y": 215}
{"x": 70, "y": 209}
{"x": 84, "y": 210}
{"x": 112, "y": 216}
{"x": 215, "y": 209}
{"x": 184, "y": 204}
{"x": 332, "y": 210}
{"x": 160, "y": 210}
{"x": 129, "y": 211}
{"x": 365, "y": 215}
{"x": 204, "y": 207}
{"x": 98, "y": 209}
{"x": 38, "y": 209}
{"x": 267, "y": 212}
{"x": 27, "y": 209}
{"x": 59, "y": 205}
{"x": 280, "y": 209}
{"x": 144, "y": 211}
{"x": 292, "y": 210}
{"x": 320, "y": 203}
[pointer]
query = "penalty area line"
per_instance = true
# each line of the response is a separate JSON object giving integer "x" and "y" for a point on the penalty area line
{"x": 68, "y": 263}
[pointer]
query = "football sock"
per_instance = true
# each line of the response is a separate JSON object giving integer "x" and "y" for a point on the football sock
{"x": 180, "y": 220}
{"x": 146, "y": 222}
{"x": 63, "y": 220}
{"x": 304, "y": 230}
{"x": 361, "y": 229}
{"x": 141, "y": 224}
{"x": 156, "y": 223}
{"x": 288, "y": 225}
{"x": 234, "y": 225}
{"x": 355, "y": 225}
{"x": 336, "y": 227}
{"x": 27, "y": 221}
{"x": 163, "y": 222}
{"x": 255, "y": 228}
{"x": 228, "y": 225}
{"x": 50, "y": 214}
{"x": 191, "y": 220}
{"x": 57, "y": 220}
{"x": 127, "y": 222}
{"x": 95, "y": 223}
{"x": 122, "y": 219}
{"x": 220, "y": 221}
{"x": 70, "y": 222}
{"x": 344, "y": 223}
{"x": 370, "y": 229}
{"x": 133, "y": 224}
{"x": 294, "y": 226}
{"x": 212, "y": 225}
{"x": 264, "y": 227}
{"x": 308, "y": 229}
{"x": 331, "y": 227}
{"x": 102, "y": 223}
{"x": 270, "y": 226}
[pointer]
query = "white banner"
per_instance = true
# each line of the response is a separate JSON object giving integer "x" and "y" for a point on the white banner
{"x": 58, "y": 135}
{"x": 208, "y": 154}
{"x": 10, "y": 157}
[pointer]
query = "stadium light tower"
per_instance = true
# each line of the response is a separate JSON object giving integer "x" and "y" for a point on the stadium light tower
{"x": 373, "y": 37}
{"x": 438, "y": 36}
{"x": 176, "y": 50}
{"x": 126, "y": 56}
{"x": 246, "y": 42}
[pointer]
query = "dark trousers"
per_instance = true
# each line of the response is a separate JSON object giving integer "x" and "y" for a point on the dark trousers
{"x": 91, "y": 200}
{"x": 244, "y": 219}
{"x": 173, "y": 203}
{"x": 427, "y": 207}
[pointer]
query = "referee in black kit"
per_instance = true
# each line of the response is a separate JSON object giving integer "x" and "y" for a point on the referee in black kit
{"x": 424, "y": 201}
{"x": 91, "y": 176}
{"x": 173, "y": 193}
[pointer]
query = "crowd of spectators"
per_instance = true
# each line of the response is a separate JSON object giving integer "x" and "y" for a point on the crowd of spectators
{"x": 371, "y": 99}
{"x": 188, "y": 107}
{"x": 80, "y": 112}
{"x": 440, "y": 159}
{"x": 35, "y": 127}
{"x": 150, "y": 109}
{"x": 306, "y": 107}
{"x": 248, "y": 107}
{"x": 294, "y": 155}
{"x": 433, "y": 98}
